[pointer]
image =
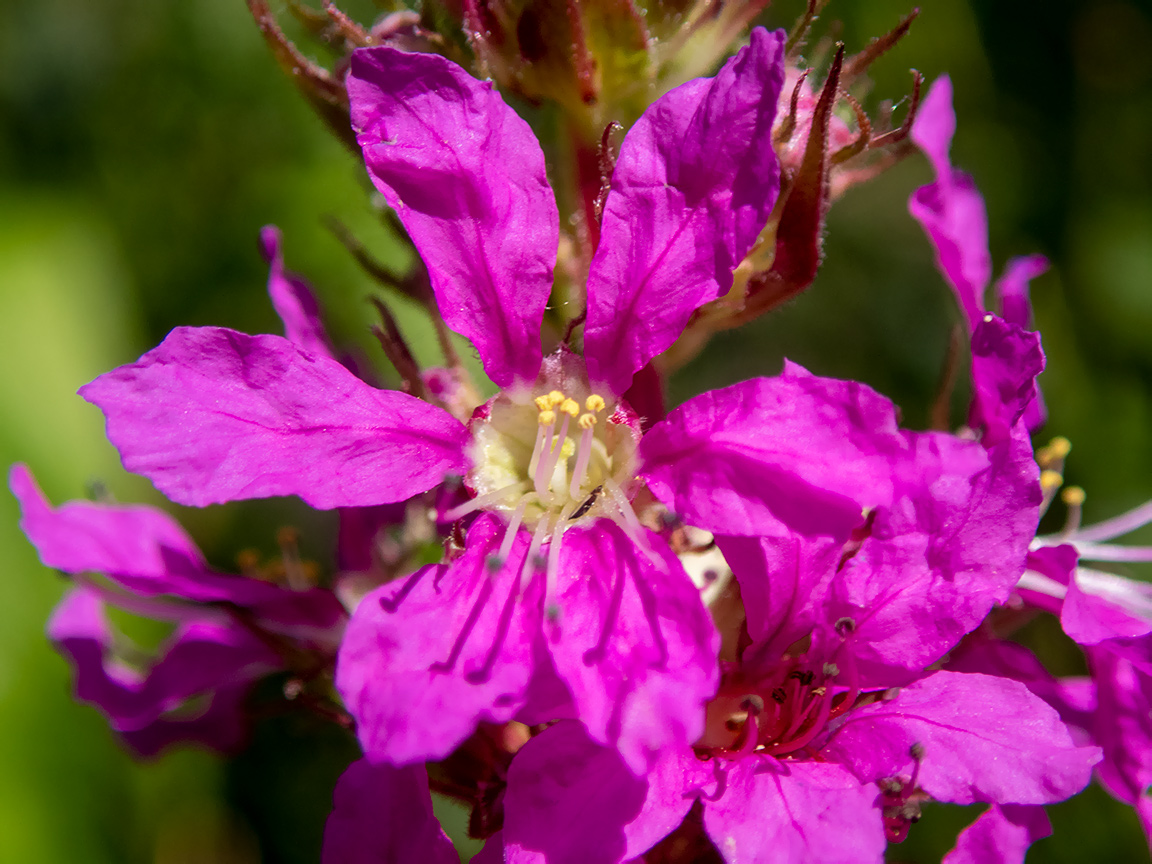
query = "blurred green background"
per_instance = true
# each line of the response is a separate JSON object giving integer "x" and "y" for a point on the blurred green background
{"x": 143, "y": 145}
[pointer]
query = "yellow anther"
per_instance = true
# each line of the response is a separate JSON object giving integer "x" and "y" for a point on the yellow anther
{"x": 595, "y": 402}
{"x": 1055, "y": 452}
{"x": 555, "y": 398}
{"x": 547, "y": 418}
{"x": 587, "y": 421}
{"x": 567, "y": 448}
{"x": 1050, "y": 481}
{"x": 1073, "y": 496}
{"x": 570, "y": 407}
{"x": 542, "y": 403}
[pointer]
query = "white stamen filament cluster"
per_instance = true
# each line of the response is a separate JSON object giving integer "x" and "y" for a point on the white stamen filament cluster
{"x": 577, "y": 470}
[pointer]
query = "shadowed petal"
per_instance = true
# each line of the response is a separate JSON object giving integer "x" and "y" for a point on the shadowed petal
{"x": 1005, "y": 362}
{"x": 1122, "y": 726}
{"x": 569, "y": 800}
{"x": 634, "y": 643}
{"x": 466, "y": 177}
{"x": 144, "y": 550}
{"x": 383, "y": 815}
{"x": 213, "y": 662}
{"x": 1001, "y": 835}
{"x": 984, "y": 739}
{"x": 794, "y": 813}
{"x": 213, "y": 415}
{"x": 692, "y": 189}
{"x": 426, "y": 658}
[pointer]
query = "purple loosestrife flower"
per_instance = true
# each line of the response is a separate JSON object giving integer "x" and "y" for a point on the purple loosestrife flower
{"x": 811, "y": 754}
{"x": 559, "y": 593}
{"x": 229, "y": 630}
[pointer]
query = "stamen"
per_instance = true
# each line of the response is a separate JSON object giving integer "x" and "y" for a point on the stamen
{"x": 1073, "y": 498}
{"x": 583, "y": 456}
{"x": 532, "y": 561}
{"x": 595, "y": 403}
{"x": 553, "y": 573}
{"x": 514, "y": 525}
{"x": 482, "y": 501}
{"x": 555, "y": 398}
{"x": 543, "y": 478}
{"x": 1117, "y": 526}
{"x": 632, "y": 527}
{"x": 543, "y": 433}
{"x": 1050, "y": 482}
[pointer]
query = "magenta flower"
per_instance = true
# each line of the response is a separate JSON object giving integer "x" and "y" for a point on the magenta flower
{"x": 803, "y": 760}
{"x": 226, "y": 627}
{"x": 560, "y": 594}
{"x": 1006, "y": 357}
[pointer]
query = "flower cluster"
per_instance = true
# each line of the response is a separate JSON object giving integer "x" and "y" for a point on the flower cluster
{"x": 765, "y": 625}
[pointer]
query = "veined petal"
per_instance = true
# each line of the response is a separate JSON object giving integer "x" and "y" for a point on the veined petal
{"x": 775, "y": 812}
{"x": 384, "y": 814}
{"x": 424, "y": 659}
{"x": 212, "y": 415}
{"x": 466, "y": 176}
{"x": 984, "y": 739}
{"x": 634, "y": 643}
{"x": 293, "y": 300}
{"x": 695, "y": 182}
{"x": 771, "y": 456}
{"x": 1000, "y": 835}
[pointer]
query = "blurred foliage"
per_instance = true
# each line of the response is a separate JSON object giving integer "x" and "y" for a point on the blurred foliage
{"x": 142, "y": 146}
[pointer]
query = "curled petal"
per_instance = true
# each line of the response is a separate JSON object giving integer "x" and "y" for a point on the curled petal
{"x": 384, "y": 814}
{"x": 984, "y": 739}
{"x": 560, "y": 773}
{"x": 205, "y": 661}
{"x": 794, "y": 813}
{"x": 1005, "y": 362}
{"x": 633, "y": 642}
{"x": 212, "y": 415}
{"x": 695, "y": 182}
{"x": 293, "y": 300}
{"x": 466, "y": 177}
{"x": 144, "y": 550}
{"x": 426, "y": 658}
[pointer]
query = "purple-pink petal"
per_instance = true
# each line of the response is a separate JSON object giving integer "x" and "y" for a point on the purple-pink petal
{"x": 951, "y": 546}
{"x": 984, "y": 739}
{"x": 1122, "y": 725}
{"x": 633, "y": 642}
{"x": 144, "y": 550}
{"x": 293, "y": 300}
{"x": 426, "y": 658}
{"x": 951, "y": 210}
{"x": 1005, "y": 362}
{"x": 204, "y": 658}
{"x": 1000, "y": 835}
{"x": 383, "y": 815}
{"x": 783, "y": 584}
{"x": 467, "y": 178}
{"x": 212, "y": 415}
{"x": 569, "y": 801}
{"x": 774, "y": 812}
{"x": 770, "y": 456}
{"x": 692, "y": 189}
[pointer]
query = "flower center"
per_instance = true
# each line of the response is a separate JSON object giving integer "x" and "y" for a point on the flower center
{"x": 550, "y": 458}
